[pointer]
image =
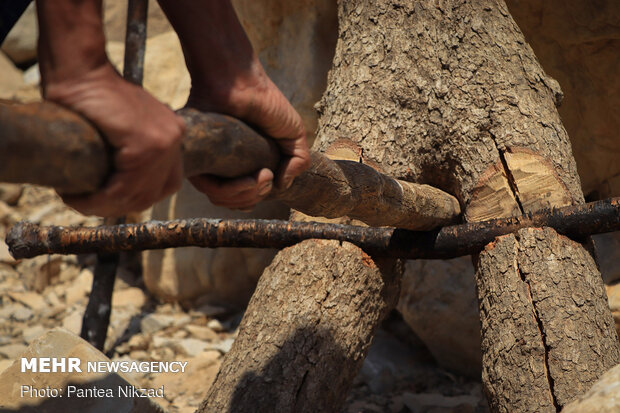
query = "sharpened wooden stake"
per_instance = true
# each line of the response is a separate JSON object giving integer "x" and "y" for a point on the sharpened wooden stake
{"x": 75, "y": 159}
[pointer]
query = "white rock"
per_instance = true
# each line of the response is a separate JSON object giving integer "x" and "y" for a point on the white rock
{"x": 32, "y": 75}
{"x": 131, "y": 296}
{"x": 33, "y": 300}
{"x": 159, "y": 341}
{"x": 16, "y": 311}
{"x": 190, "y": 346}
{"x": 223, "y": 346}
{"x": 201, "y": 332}
{"x": 79, "y": 288}
{"x": 12, "y": 351}
{"x": 155, "y": 322}
{"x": 215, "y": 325}
{"x": 73, "y": 322}
{"x": 32, "y": 333}
{"x": 5, "y": 364}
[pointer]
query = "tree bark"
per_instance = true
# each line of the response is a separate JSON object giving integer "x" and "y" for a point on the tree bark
{"x": 448, "y": 93}
{"x": 306, "y": 330}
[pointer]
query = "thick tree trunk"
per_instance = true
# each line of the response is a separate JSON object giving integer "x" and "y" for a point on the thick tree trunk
{"x": 306, "y": 331}
{"x": 445, "y": 93}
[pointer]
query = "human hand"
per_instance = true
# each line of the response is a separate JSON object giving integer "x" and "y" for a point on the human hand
{"x": 256, "y": 100}
{"x": 228, "y": 78}
{"x": 145, "y": 134}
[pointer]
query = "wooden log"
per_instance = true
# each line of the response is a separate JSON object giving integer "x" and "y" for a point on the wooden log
{"x": 218, "y": 145}
{"x": 27, "y": 240}
{"x": 529, "y": 344}
{"x": 306, "y": 331}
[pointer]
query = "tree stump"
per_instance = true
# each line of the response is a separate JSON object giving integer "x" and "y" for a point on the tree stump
{"x": 449, "y": 94}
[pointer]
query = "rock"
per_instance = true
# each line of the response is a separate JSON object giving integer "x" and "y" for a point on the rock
{"x": 21, "y": 42}
{"x": 613, "y": 295}
{"x": 389, "y": 362}
{"x": 53, "y": 300}
{"x": 159, "y": 341}
{"x": 608, "y": 254}
{"x": 32, "y": 333}
{"x": 73, "y": 322}
{"x": 201, "y": 332}
{"x": 131, "y": 296}
{"x": 58, "y": 343}
{"x": 438, "y": 301}
{"x": 223, "y": 346}
{"x": 41, "y": 271}
{"x": 194, "y": 383}
{"x": 190, "y": 346}
{"x": 30, "y": 299}
{"x": 422, "y": 401}
{"x": 10, "y": 82}
{"x": 124, "y": 322}
{"x": 32, "y": 75}
{"x": 576, "y": 43}
{"x": 9, "y": 193}
{"x": 215, "y": 325}
{"x": 79, "y": 288}
{"x": 12, "y": 351}
{"x": 4, "y": 364}
{"x": 603, "y": 396}
{"x": 155, "y": 322}
{"x": 5, "y": 256}
{"x": 16, "y": 311}
{"x": 138, "y": 342}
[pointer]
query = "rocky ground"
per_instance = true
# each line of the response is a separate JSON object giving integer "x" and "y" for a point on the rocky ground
{"x": 38, "y": 294}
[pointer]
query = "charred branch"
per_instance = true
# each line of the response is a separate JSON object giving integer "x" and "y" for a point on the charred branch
{"x": 27, "y": 240}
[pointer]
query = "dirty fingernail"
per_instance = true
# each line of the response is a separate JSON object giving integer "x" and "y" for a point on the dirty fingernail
{"x": 265, "y": 189}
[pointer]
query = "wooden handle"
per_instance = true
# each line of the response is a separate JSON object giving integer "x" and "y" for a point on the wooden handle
{"x": 45, "y": 144}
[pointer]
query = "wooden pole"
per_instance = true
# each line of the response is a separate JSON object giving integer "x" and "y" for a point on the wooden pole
{"x": 27, "y": 240}
{"x": 218, "y": 145}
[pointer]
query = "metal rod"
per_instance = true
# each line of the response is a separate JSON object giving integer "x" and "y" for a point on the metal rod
{"x": 96, "y": 317}
{"x": 135, "y": 41}
{"x": 27, "y": 240}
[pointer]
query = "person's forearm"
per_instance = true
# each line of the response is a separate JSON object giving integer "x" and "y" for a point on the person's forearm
{"x": 71, "y": 40}
{"x": 217, "y": 50}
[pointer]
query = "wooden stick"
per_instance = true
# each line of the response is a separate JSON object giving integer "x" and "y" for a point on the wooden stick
{"x": 26, "y": 240}
{"x": 47, "y": 145}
